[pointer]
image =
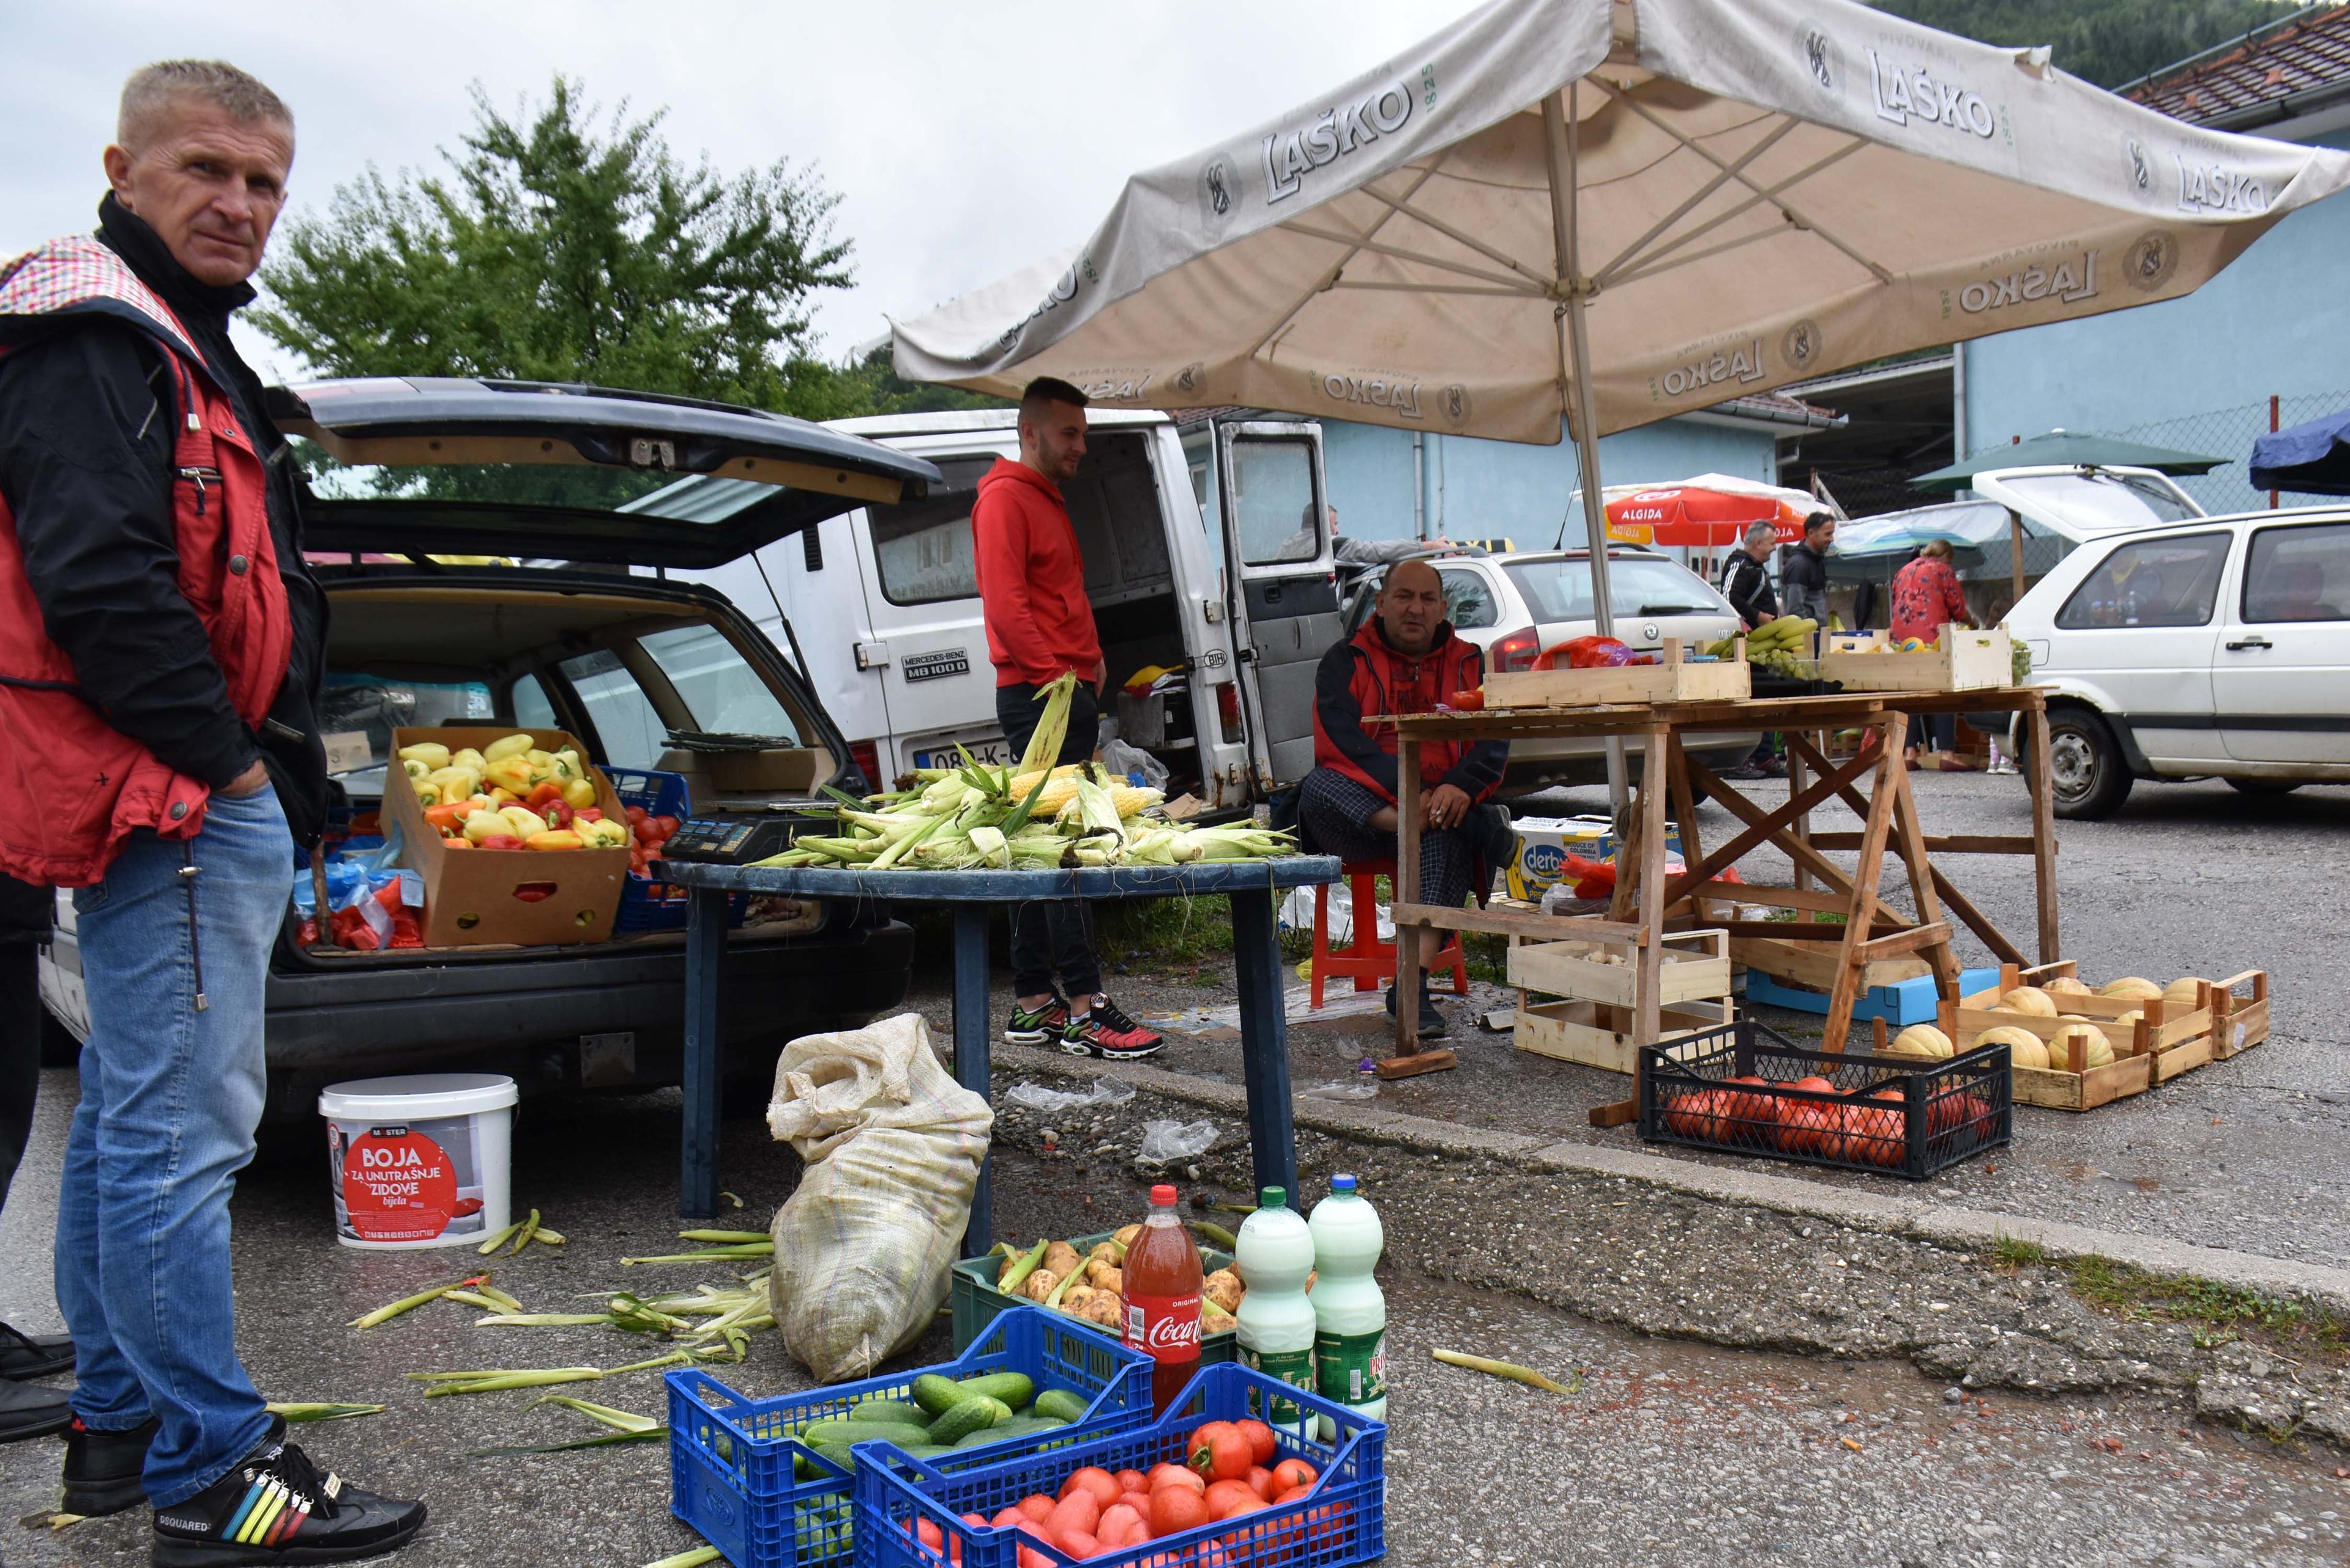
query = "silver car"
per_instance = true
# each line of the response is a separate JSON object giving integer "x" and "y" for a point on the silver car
{"x": 1514, "y": 606}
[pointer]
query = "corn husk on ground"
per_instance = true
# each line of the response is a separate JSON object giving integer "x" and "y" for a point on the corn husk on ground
{"x": 1027, "y": 818}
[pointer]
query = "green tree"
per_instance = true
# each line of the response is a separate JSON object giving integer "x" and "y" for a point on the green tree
{"x": 554, "y": 248}
{"x": 2107, "y": 42}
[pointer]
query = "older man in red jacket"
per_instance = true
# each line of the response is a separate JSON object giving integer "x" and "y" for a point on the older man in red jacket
{"x": 1407, "y": 659}
{"x": 1040, "y": 627}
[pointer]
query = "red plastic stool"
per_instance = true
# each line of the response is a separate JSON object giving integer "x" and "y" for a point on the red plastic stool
{"x": 1366, "y": 959}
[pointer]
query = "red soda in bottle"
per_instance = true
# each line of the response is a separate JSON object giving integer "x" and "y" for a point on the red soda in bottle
{"x": 1162, "y": 1299}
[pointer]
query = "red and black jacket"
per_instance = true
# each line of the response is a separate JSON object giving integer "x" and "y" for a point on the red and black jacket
{"x": 1366, "y": 676}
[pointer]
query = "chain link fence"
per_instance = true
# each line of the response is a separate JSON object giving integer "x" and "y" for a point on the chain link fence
{"x": 2230, "y": 433}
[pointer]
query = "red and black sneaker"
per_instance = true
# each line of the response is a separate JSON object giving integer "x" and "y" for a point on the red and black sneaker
{"x": 1033, "y": 1026}
{"x": 1106, "y": 1031}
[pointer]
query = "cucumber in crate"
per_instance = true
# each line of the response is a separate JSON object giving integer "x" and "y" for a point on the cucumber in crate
{"x": 769, "y": 1482}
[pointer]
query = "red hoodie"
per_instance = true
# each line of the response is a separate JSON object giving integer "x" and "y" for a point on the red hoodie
{"x": 1032, "y": 578}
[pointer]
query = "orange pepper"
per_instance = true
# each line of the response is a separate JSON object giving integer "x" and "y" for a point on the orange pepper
{"x": 447, "y": 818}
{"x": 549, "y": 791}
{"x": 459, "y": 841}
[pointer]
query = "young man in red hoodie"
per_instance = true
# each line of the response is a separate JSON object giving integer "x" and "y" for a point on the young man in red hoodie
{"x": 1040, "y": 626}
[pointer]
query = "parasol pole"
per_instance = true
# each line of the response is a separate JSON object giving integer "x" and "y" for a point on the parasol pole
{"x": 1559, "y": 144}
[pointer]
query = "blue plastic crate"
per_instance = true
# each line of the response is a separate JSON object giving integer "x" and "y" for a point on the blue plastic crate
{"x": 1342, "y": 1520}
{"x": 646, "y": 905}
{"x": 731, "y": 1472}
{"x": 1900, "y": 1004}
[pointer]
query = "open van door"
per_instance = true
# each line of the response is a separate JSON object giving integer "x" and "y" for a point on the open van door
{"x": 1280, "y": 587}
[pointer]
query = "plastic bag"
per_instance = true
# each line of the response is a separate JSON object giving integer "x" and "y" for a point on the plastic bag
{"x": 1163, "y": 1141}
{"x": 1343, "y": 1089}
{"x": 1296, "y": 912}
{"x": 893, "y": 1146}
{"x": 1125, "y": 761}
{"x": 1037, "y": 1098}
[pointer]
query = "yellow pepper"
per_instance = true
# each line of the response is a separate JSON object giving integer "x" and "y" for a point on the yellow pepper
{"x": 483, "y": 823}
{"x": 510, "y": 773}
{"x": 578, "y": 793}
{"x": 414, "y": 769}
{"x": 470, "y": 758}
{"x": 430, "y": 753}
{"x": 554, "y": 838}
{"x": 512, "y": 746}
{"x": 526, "y": 822}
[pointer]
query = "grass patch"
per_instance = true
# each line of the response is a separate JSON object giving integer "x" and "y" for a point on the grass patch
{"x": 2217, "y": 1312}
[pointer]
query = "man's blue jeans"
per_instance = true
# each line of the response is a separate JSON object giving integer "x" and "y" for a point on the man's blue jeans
{"x": 170, "y": 1094}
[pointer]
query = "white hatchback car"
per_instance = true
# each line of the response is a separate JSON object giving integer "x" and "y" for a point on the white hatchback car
{"x": 2215, "y": 648}
{"x": 1514, "y": 605}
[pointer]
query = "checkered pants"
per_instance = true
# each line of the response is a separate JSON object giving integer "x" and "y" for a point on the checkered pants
{"x": 1336, "y": 812}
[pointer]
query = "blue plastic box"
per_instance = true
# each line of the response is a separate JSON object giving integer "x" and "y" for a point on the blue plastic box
{"x": 1905, "y": 1003}
{"x": 730, "y": 1473}
{"x": 1342, "y": 1520}
{"x": 646, "y": 905}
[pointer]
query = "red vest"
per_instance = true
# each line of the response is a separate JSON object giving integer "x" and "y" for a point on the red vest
{"x": 75, "y": 786}
{"x": 1386, "y": 681}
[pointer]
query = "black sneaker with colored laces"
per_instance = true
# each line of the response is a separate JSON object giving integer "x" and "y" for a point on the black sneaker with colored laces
{"x": 102, "y": 1469}
{"x": 1033, "y": 1026}
{"x": 1105, "y": 1031}
{"x": 275, "y": 1506}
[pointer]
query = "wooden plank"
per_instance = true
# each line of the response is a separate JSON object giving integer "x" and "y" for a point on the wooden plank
{"x": 1684, "y": 810}
{"x": 1914, "y": 939}
{"x": 1962, "y": 660}
{"x": 1585, "y": 1032}
{"x": 1802, "y": 822}
{"x": 1649, "y": 955}
{"x": 1812, "y": 963}
{"x": 1417, "y": 1063}
{"x": 1807, "y": 898}
{"x": 1869, "y": 866}
{"x": 1605, "y": 972}
{"x": 1621, "y": 1113}
{"x": 1628, "y": 863}
{"x": 2044, "y": 831}
{"x": 1911, "y": 836}
{"x": 1407, "y": 891}
{"x": 1953, "y": 844}
{"x": 1516, "y": 923}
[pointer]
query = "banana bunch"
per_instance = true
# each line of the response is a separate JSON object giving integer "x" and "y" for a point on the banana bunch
{"x": 1773, "y": 646}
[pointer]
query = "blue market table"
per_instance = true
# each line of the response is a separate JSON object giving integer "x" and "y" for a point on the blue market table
{"x": 1250, "y": 885}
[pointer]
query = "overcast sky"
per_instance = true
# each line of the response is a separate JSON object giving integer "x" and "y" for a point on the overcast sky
{"x": 964, "y": 140}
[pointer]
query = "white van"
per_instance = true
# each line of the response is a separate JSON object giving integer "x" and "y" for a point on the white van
{"x": 880, "y": 606}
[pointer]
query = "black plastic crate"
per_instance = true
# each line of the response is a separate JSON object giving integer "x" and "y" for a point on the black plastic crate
{"x": 1885, "y": 1115}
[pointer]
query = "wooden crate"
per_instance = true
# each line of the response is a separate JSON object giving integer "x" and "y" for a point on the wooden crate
{"x": 1964, "y": 661}
{"x": 1811, "y": 963}
{"x": 2178, "y": 1040}
{"x": 1694, "y": 964}
{"x": 1599, "y": 1035}
{"x": 2241, "y": 1023}
{"x": 1674, "y": 681}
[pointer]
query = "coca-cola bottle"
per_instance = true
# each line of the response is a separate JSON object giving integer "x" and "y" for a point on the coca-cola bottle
{"x": 1162, "y": 1299}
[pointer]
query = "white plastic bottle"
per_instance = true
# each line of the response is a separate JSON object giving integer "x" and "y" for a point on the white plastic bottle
{"x": 1350, "y": 1313}
{"x": 1275, "y": 1253}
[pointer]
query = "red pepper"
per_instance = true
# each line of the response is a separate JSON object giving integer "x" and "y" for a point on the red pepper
{"x": 589, "y": 814}
{"x": 1468, "y": 701}
{"x": 500, "y": 841}
{"x": 557, "y": 813}
{"x": 538, "y": 799}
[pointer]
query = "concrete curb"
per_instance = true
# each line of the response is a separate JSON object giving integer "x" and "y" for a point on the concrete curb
{"x": 1966, "y": 1230}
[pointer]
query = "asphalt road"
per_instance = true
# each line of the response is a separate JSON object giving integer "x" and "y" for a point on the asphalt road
{"x": 1666, "y": 1452}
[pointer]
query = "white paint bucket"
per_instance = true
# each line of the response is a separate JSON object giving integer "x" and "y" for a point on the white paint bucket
{"x": 419, "y": 1161}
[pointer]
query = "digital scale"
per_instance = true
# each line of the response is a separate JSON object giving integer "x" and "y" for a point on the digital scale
{"x": 740, "y": 839}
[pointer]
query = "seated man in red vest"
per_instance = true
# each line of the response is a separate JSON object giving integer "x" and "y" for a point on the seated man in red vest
{"x": 1406, "y": 660}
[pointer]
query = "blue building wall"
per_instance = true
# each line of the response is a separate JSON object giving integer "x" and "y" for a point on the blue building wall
{"x": 2195, "y": 373}
{"x": 1476, "y": 489}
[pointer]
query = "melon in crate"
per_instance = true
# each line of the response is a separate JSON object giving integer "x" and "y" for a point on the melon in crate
{"x": 2024, "y": 1049}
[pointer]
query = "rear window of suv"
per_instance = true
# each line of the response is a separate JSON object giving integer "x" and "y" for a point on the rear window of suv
{"x": 2167, "y": 582}
{"x": 1636, "y": 584}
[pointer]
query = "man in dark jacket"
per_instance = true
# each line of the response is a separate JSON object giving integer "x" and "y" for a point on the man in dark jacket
{"x": 1803, "y": 575}
{"x": 1406, "y": 660}
{"x": 1746, "y": 578}
{"x": 160, "y": 656}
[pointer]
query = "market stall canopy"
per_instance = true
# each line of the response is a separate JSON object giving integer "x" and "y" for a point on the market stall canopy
{"x": 2312, "y": 459}
{"x": 2063, "y": 449}
{"x": 1711, "y": 512}
{"x": 1967, "y": 524}
{"x": 1762, "y": 191}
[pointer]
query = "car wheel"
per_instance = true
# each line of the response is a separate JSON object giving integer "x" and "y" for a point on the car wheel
{"x": 2085, "y": 765}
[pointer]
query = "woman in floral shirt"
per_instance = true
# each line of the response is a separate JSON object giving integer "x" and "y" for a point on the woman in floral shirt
{"x": 1926, "y": 598}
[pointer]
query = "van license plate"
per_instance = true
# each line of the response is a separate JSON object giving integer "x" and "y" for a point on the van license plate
{"x": 996, "y": 751}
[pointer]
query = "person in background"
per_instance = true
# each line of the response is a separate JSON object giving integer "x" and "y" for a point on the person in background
{"x": 1804, "y": 575}
{"x": 1746, "y": 583}
{"x": 1353, "y": 556}
{"x": 161, "y": 640}
{"x": 1040, "y": 626}
{"x": 1406, "y": 660}
{"x": 1927, "y": 597}
{"x": 25, "y": 1411}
